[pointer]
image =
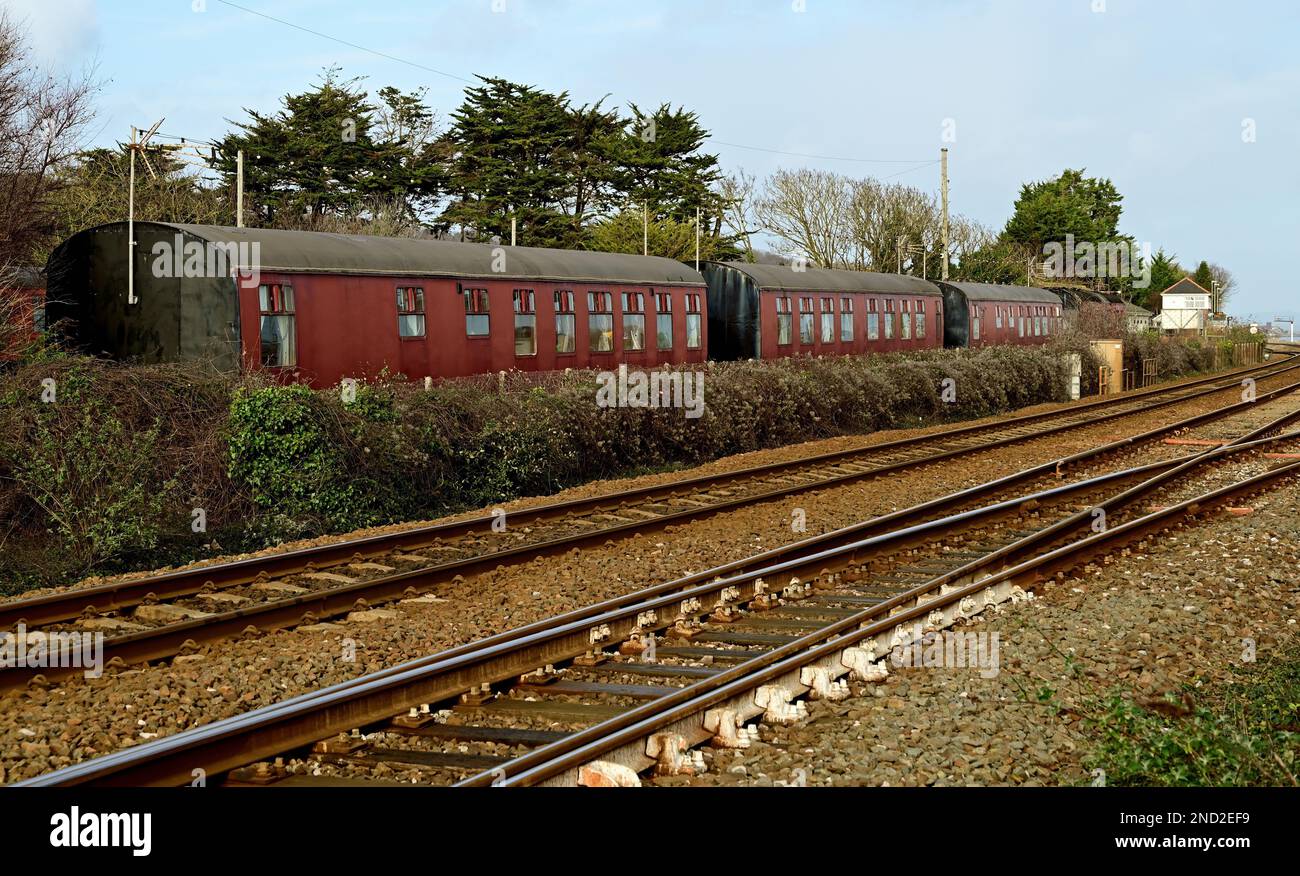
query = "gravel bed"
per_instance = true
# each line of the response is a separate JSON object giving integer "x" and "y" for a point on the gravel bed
{"x": 1142, "y": 625}
{"x": 44, "y": 729}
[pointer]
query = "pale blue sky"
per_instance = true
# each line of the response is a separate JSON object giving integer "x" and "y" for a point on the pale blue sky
{"x": 1151, "y": 93}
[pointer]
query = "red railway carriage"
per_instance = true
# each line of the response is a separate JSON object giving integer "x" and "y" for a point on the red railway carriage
{"x": 320, "y": 307}
{"x": 986, "y": 314}
{"x": 773, "y": 311}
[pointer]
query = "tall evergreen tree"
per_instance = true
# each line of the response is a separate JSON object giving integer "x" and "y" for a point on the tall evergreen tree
{"x": 661, "y": 163}
{"x": 509, "y": 147}
{"x": 1203, "y": 277}
{"x": 321, "y": 155}
{"x": 1165, "y": 272}
{"x": 1086, "y": 207}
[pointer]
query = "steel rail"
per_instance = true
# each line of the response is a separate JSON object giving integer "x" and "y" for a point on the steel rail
{"x": 168, "y": 640}
{"x": 239, "y": 740}
{"x": 548, "y": 762}
{"x": 67, "y": 605}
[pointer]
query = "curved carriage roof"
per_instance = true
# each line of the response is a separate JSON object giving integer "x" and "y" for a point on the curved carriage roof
{"x": 784, "y": 278}
{"x": 998, "y": 292}
{"x": 319, "y": 252}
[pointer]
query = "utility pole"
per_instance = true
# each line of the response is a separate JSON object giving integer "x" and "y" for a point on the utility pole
{"x": 697, "y": 239}
{"x": 514, "y": 230}
{"x": 645, "y": 228}
{"x": 130, "y": 229}
{"x": 239, "y": 189}
{"x": 943, "y": 191}
{"x": 137, "y": 145}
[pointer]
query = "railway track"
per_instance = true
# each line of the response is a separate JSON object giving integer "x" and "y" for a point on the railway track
{"x": 528, "y": 705}
{"x": 715, "y": 711}
{"x": 159, "y": 616}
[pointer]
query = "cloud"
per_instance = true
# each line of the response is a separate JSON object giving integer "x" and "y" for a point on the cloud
{"x": 58, "y": 31}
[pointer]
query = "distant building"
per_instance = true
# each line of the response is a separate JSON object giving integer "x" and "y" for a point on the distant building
{"x": 1137, "y": 319}
{"x": 1184, "y": 308}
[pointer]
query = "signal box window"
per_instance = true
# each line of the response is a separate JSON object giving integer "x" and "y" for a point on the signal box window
{"x": 525, "y": 323}
{"x": 410, "y": 312}
{"x": 277, "y": 329}
{"x": 784, "y": 321}
{"x": 694, "y": 335}
{"x": 477, "y": 324}
{"x": 600, "y": 322}
{"x": 566, "y": 337}
{"x": 664, "y": 320}
{"x": 633, "y": 321}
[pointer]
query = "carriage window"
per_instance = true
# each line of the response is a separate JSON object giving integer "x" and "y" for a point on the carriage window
{"x": 919, "y": 316}
{"x": 525, "y": 323}
{"x": 828, "y": 320}
{"x": 633, "y": 321}
{"x": 600, "y": 322}
{"x": 846, "y": 319}
{"x": 476, "y": 313}
{"x": 997, "y": 316}
{"x": 1021, "y": 327}
{"x": 279, "y": 335}
{"x": 805, "y": 320}
{"x": 974, "y": 323}
{"x": 694, "y": 337}
{"x": 905, "y": 321}
{"x": 784, "y": 321}
{"x": 889, "y": 318}
{"x": 566, "y": 338}
{"x": 664, "y": 320}
{"x": 410, "y": 312}
{"x": 873, "y": 326}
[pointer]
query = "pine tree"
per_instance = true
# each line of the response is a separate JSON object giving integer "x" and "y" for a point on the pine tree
{"x": 510, "y": 147}
{"x": 1203, "y": 277}
{"x": 1165, "y": 272}
{"x": 1086, "y": 207}
{"x": 661, "y": 164}
{"x": 319, "y": 156}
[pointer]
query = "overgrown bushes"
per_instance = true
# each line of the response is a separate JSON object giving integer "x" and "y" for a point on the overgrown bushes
{"x": 113, "y": 474}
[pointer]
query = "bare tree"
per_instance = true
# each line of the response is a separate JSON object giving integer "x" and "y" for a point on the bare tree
{"x": 42, "y": 117}
{"x": 736, "y": 195}
{"x": 807, "y": 211}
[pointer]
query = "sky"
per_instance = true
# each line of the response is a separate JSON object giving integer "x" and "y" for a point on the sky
{"x": 1188, "y": 106}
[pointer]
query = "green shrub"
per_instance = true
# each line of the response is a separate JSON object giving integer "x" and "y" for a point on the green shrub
{"x": 118, "y": 465}
{"x": 281, "y": 449}
{"x": 1246, "y": 732}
